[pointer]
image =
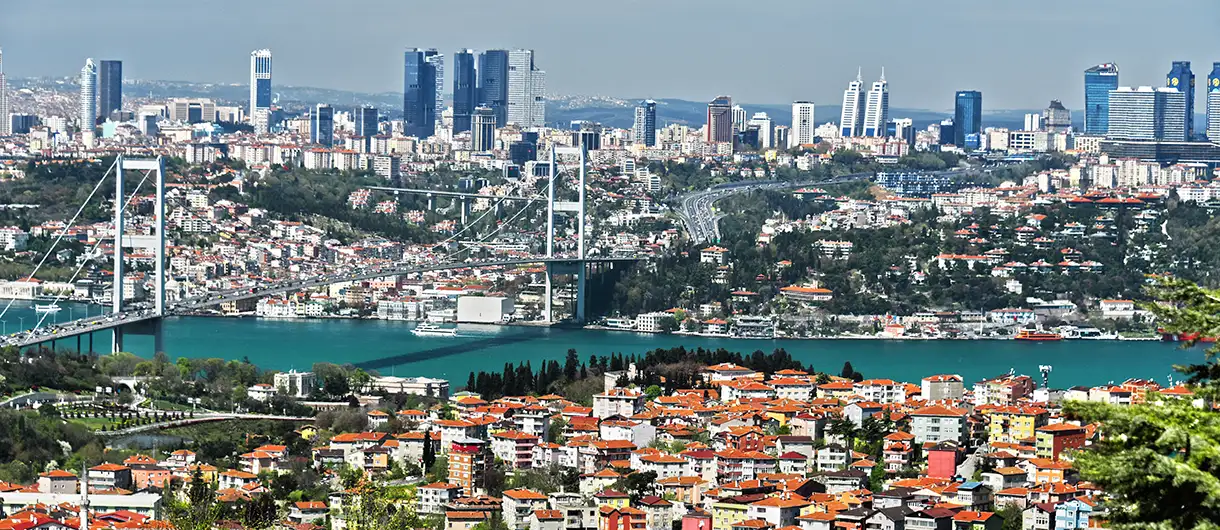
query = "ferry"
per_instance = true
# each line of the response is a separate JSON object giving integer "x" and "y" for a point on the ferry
{"x": 47, "y": 308}
{"x": 428, "y": 329}
{"x": 1035, "y": 335}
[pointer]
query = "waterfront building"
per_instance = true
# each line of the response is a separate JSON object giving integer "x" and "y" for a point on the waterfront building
{"x": 1213, "y": 102}
{"x": 493, "y": 83}
{"x": 418, "y": 95}
{"x": 1098, "y": 82}
{"x": 87, "y": 105}
{"x": 465, "y": 90}
{"x": 1056, "y": 118}
{"x": 5, "y": 123}
{"x": 110, "y": 88}
{"x": 877, "y": 110}
{"x": 803, "y": 124}
{"x": 851, "y": 121}
{"x": 295, "y": 384}
{"x": 967, "y": 115}
{"x": 1182, "y": 79}
{"x": 526, "y": 90}
{"x": 322, "y": 125}
{"x": 260, "y": 90}
{"x": 483, "y": 129}
{"x": 720, "y": 120}
{"x": 1147, "y": 113}
{"x": 644, "y": 130}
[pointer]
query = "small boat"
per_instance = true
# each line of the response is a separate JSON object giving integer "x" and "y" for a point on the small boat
{"x": 47, "y": 308}
{"x": 1035, "y": 335}
{"x": 428, "y": 329}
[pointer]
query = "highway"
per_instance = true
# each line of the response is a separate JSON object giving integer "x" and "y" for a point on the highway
{"x": 701, "y": 220}
{"x": 144, "y": 311}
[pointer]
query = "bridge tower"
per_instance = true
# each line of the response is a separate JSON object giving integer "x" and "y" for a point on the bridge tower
{"x": 151, "y": 167}
{"x": 577, "y": 266}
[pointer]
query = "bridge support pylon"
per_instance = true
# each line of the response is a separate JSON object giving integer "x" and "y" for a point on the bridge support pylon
{"x": 116, "y": 345}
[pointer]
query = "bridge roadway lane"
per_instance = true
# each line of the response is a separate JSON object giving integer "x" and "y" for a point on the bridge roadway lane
{"x": 101, "y": 323}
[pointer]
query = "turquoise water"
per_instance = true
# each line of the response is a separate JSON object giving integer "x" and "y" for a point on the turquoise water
{"x": 391, "y": 349}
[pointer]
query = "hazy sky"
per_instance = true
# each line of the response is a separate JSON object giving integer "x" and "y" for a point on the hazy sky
{"x": 1020, "y": 53}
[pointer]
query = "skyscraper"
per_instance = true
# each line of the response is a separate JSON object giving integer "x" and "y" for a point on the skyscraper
{"x": 110, "y": 87}
{"x": 1213, "y": 103}
{"x": 437, "y": 60}
{"x": 765, "y": 129}
{"x": 644, "y": 130}
{"x": 418, "y": 95}
{"x": 803, "y": 125}
{"x": 739, "y": 118}
{"x": 493, "y": 83}
{"x": 322, "y": 125}
{"x": 526, "y": 90}
{"x": 1181, "y": 78}
{"x": 88, "y": 97}
{"x": 877, "y": 111}
{"x": 5, "y": 121}
{"x": 483, "y": 129}
{"x": 260, "y": 90}
{"x": 366, "y": 125}
{"x": 1057, "y": 118}
{"x": 967, "y": 115}
{"x": 465, "y": 90}
{"x": 1098, "y": 82}
{"x": 851, "y": 123}
{"x": 1147, "y": 113}
{"x": 720, "y": 120}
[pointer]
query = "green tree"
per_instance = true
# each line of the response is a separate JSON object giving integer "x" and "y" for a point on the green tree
{"x": 1010, "y": 517}
{"x": 876, "y": 478}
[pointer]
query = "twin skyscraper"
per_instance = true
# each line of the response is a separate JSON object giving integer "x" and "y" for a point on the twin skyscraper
{"x": 865, "y": 114}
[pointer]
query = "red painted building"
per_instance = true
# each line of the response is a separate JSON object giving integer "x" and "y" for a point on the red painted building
{"x": 942, "y": 460}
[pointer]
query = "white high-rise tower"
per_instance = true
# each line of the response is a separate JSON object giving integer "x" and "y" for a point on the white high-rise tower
{"x": 5, "y": 122}
{"x": 802, "y": 124}
{"x": 851, "y": 123}
{"x": 437, "y": 60}
{"x": 260, "y": 90}
{"x": 88, "y": 99}
{"x": 877, "y": 112}
{"x": 526, "y": 90}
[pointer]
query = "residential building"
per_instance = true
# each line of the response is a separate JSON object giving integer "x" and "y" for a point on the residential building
{"x": 1098, "y": 82}
{"x": 1057, "y": 118}
{"x": 644, "y": 129}
{"x": 1053, "y": 440}
{"x": 518, "y": 505}
{"x": 623, "y": 402}
{"x": 468, "y": 462}
{"x": 938, "y": 423}
{"x": 295, "y": 384}
{"x": 942, "y": 387}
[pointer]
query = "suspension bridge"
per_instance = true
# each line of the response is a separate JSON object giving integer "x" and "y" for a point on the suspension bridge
{"x": 145, "y": 318}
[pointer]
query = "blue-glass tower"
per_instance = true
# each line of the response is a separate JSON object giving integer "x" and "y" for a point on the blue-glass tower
{"x": 1098, "y": 82}
{"x": 493, "y": 83}
{"x": 366, "y": 125}
{"x": 967, "y": 115}
{"x": 465, "y": 90}
{"x": 418, "y": 95}
{"x": 1181, "y": 78}
{"x": 322, "y": 125}
{"x": 109, "y": 88}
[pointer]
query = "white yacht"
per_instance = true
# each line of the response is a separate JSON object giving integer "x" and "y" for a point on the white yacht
{"x": 47, "y": 308}
{"x": 429, "y": 329}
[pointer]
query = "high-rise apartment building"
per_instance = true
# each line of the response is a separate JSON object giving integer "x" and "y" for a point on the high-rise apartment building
{"x": 877, "y": 109}
{"x": 465, "y": 90}
{"x": 322, "y": 125}
{"x": 493, "y": 83}
{"x": 803, "y": 125}
{"x": 1098, "y": 82}
{"x": 851, "y": 121}
{"x": 418, "y": 95}
{"x": 1057, "y": 118}
{"x": 260, "y": 90}
{"x": 967, "y": 115}
{"x": 366, "y": 125}
{"x": 483, "y": 129}
{"x": 88, "y": 97}
{"x": 468, "y": 462}
{"x": 110, "y": 87}
{"x": 437, "y": 60}
{"x": 5, "y": 122}
{"x": 644, "y": 130}
{"x": 1181, "y": 78}
{"x": 526, "y": 90}
{"x": 720, "y": 120}
{"x": 1213, "y": 103}
{"x": 1147, "y": 113}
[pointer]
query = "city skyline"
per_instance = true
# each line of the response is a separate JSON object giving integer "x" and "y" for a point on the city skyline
{"x": 1093, "y": 33}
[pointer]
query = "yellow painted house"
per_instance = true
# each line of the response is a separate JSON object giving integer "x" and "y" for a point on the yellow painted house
{"x": 1013, "y": 424}
{"x": 727, "y": 514}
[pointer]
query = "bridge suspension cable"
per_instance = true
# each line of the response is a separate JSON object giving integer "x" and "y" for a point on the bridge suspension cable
{"x": 59, "y": 236}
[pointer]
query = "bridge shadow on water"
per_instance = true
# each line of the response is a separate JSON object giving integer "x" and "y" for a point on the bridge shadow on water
{"x": 445, "y": 351}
